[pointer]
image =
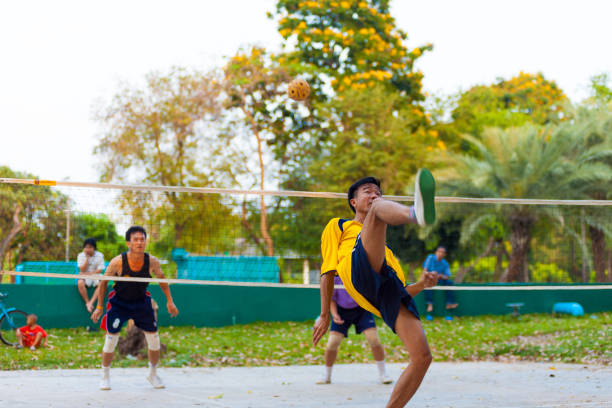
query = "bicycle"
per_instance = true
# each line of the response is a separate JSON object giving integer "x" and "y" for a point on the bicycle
{"x": 10, "y": 320}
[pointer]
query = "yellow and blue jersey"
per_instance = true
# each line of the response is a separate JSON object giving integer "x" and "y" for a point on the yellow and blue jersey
{"x": 337, "y": 243}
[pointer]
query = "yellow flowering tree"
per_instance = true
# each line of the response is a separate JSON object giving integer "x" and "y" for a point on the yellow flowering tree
{"x": 354, "y": 43}
{"x": 525, "y": 98}
{"x": 510, "y": 102}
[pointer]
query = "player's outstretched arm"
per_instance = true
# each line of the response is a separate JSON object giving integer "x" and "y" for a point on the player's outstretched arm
{"x": 427, "y": 280}
{"x": 327, "y": 289}
{"x": 113, "y": 269}
{"x": 157, "y": 272}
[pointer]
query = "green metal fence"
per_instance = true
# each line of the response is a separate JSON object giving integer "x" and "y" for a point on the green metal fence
{"x": 213, "y": 306}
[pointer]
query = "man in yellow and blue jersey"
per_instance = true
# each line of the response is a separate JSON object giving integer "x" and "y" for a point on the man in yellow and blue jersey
{"x": 356, "y": 251}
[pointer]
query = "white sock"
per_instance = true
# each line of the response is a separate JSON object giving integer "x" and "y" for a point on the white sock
{"x": 412, "y": 213}
{"x": 152, "y": 369}
{"x": 106, "y": 371}
{"x": 381, "y": 368}
{"x": 328, "y": 371}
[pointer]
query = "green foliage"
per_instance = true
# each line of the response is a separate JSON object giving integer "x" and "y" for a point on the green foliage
{"x": 39, "y": 231}
{"x": 515, "y": 102}
{"x": 549, "y": 273}
{"x": 526, "y": 162}
{"x": 601, "y": 89}
{"x": 369, "y": 137}
{"x": 99, "y": 227}
{"x": 483, "y": 271}
{"x": 366, "y": 136}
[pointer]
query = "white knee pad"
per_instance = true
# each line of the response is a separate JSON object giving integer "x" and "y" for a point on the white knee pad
{"x": 110, "y": 342}
{"x": 153, "y": 341}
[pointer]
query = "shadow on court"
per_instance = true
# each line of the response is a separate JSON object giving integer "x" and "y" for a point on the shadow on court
{"x": 458, "y": 385}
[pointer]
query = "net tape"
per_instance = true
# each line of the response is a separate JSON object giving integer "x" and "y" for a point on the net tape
{"x": 291, "y": 193}
{"x": 285, "y": 285}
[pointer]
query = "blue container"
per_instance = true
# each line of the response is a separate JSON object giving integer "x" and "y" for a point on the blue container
{"x": 571, "y": 308}
{"x": 226, "y": 268}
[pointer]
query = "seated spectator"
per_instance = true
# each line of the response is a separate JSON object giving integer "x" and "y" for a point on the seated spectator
{"x": 31, "y": 335}
{"x": 90, "y": 262}
{"x": 437, "y": 263}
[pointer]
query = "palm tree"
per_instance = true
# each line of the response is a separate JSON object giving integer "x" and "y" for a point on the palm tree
{"x": 594, "y": 125}
{"x": 525, "y": 162}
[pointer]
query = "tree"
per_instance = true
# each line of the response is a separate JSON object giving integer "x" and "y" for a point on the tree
{"x": 593, "y": 124}
{"x": 99, "y": 227}
{"x": 525, "y": 98}
{"x": 370, "y": 141}
{"x": 32, "y": 220}
{"x": 166, "y": 134}
{"x": 353, "y": 42}
{"x": 525, "y": 162}
{"x": 341, "y": 46}
{"x": 254, "y": 85}
{"x": 369, "y": 137}
{"x": 601, "y": 89}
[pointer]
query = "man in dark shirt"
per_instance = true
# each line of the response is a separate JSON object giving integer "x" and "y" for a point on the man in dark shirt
{"x": 131, "y": 300}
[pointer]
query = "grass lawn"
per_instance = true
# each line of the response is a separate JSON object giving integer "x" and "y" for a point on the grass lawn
{"x": 540, "y": 337}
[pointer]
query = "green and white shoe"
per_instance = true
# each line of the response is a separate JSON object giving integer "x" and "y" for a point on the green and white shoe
{"x": 424, "y": 194}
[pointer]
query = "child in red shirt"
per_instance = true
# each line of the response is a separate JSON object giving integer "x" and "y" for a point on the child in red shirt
{"x": 31, "y": 335}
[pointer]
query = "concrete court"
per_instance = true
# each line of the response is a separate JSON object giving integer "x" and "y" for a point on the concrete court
{"x": 458, "y": 385}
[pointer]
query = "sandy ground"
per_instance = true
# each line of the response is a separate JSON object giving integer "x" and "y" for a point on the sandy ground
{"x": 459, "y": 385}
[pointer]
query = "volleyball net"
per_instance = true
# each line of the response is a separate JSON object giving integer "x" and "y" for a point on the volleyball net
{"x": 273, "y": 237}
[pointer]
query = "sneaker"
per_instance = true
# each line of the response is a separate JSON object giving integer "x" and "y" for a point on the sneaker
{"x": 429, "y": 318}
{"x": 32, "y": 348}
{"x": 105, "y": 383}
{"x": 323, "y": 380}
{"x": 155, "y": 381}
{"x": 424, "y": 194}
{"x": 385, "y": 379}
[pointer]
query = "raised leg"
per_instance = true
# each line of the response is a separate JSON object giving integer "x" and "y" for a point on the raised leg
{"x": 374, "y": 230}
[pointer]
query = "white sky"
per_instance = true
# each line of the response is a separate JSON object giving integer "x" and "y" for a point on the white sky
{"x": 59, "y": 59}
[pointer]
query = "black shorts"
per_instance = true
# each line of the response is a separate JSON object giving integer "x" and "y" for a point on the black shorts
{"x": 383, "y": 290}
{"x": 119, "y": 311}
{"x": 361, "y": 318}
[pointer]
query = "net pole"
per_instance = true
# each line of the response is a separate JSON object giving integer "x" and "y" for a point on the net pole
{"x": 67, "y": 235}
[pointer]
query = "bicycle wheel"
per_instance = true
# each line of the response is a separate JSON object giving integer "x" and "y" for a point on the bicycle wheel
{"x": 9, "y": 323}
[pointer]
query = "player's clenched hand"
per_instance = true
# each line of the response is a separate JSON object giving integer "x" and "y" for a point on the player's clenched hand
{"x": 172, "y": 309}
{"x": 430, "y": 279}
{"x": 95, "y": 316}
{"x": 320, "y": 328}
{"x": 337, "y": 319}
